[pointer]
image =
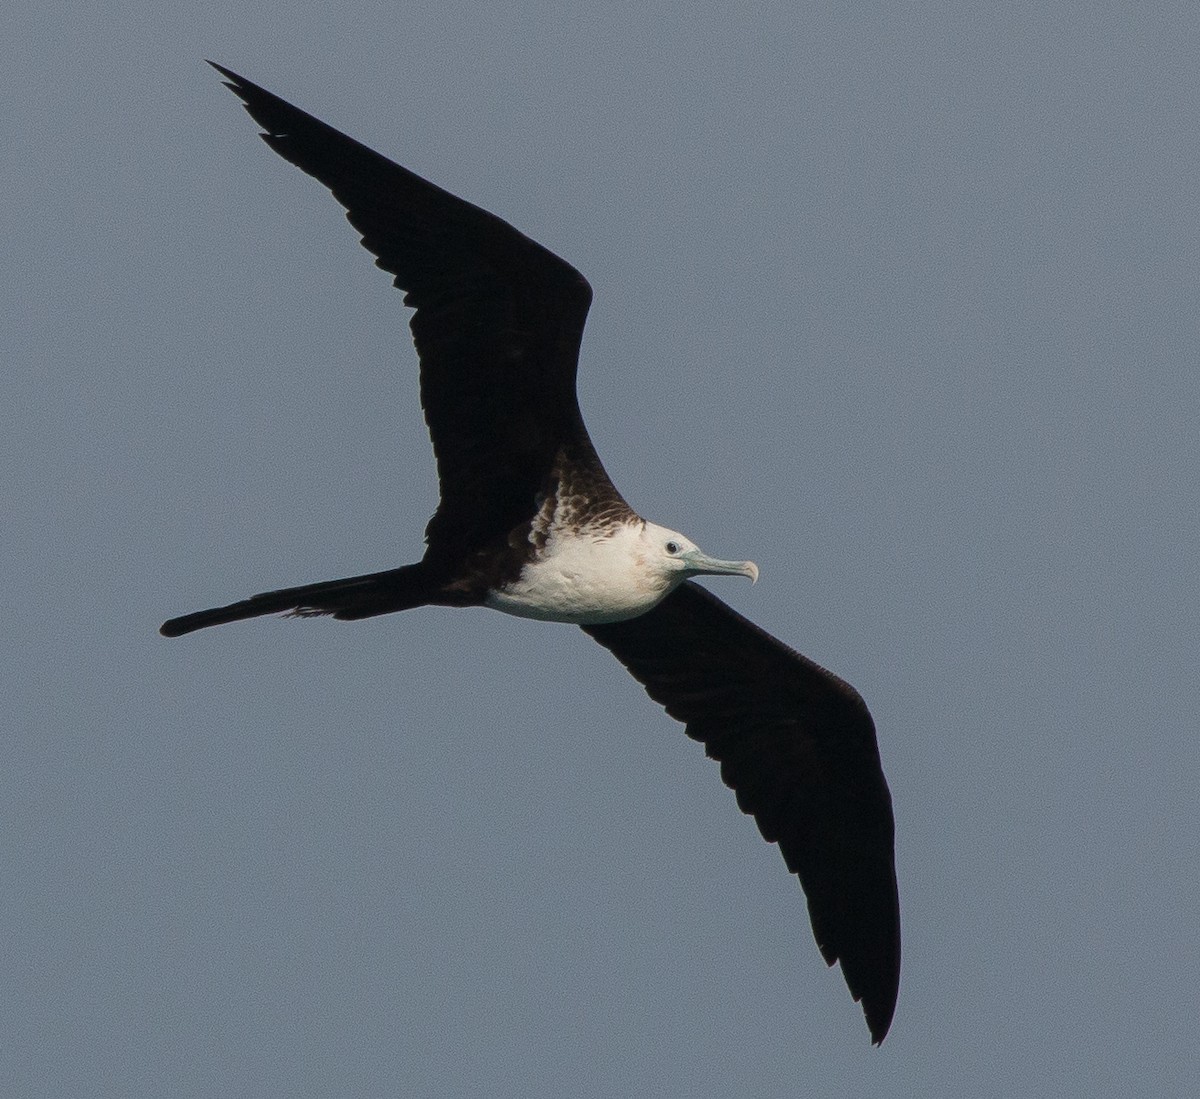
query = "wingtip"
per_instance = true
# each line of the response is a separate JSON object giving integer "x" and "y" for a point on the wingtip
{"x": 235, "y": 82}
{"x": 872, "y": 976}
{"x": 879, "y": 1028}
{"x": 879, "y": 1015}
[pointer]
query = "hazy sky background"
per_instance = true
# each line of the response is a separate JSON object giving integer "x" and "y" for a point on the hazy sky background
{"x": 898, "y": 300}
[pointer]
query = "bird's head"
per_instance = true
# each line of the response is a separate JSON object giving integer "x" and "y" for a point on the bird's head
{"x": 674, "y": 558}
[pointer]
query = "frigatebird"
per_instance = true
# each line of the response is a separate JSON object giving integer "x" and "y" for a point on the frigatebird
{"x": 530, "y": 524}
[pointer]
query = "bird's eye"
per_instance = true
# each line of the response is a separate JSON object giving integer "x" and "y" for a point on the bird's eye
{"x": 672, "y": 548}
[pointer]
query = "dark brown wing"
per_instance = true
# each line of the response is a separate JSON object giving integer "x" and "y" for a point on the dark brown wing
{"x": 797, "y": 746}
{"x": 497, "y": 325}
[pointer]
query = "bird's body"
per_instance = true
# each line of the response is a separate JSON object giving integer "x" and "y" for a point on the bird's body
{"x": 530, "y": 524}
{"x": 600, "y": 574}
{"x": 582, "y": 577}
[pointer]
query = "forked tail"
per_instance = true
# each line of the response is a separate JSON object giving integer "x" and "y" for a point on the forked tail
{"x": 354, "y": 597}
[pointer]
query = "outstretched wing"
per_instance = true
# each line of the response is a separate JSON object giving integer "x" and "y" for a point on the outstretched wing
{"x": 797, "y": 746}
{"x": 497, "y": 325}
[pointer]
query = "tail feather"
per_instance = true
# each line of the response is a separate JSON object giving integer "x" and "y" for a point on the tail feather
{"x": 354, "y": 597}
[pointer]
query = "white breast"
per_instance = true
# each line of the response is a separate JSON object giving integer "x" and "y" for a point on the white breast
{"x": 586, "y": 578}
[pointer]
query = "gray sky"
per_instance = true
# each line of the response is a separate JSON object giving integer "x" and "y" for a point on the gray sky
{"x": 899, "y": 301}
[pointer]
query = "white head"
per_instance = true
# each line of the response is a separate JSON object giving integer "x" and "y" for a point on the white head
{"x": 671, "y": 558}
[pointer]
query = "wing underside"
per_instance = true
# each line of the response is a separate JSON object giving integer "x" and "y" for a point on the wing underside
{"x": 798, "y": 748}
{"x": 497, "y": 324}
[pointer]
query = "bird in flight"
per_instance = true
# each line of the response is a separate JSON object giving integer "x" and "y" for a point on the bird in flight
{"x": 529, "y": 523}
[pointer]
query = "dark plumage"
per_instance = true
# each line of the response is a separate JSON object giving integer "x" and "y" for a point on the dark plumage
{"x": 797, "y": 745}
{"x": 497, "y": 326}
